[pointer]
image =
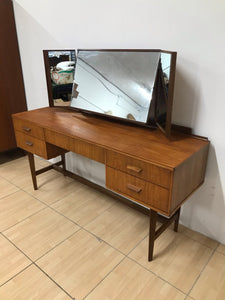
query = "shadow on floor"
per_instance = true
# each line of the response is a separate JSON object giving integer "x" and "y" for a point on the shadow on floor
{"x": 11, "y": 155}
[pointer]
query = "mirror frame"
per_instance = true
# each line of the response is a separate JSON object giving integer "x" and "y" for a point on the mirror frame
{"x": 47, "y": 74}
{"x": 169, "y": 99}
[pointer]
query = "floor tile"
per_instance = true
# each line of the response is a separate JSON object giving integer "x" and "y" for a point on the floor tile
{"x": 32, "y": 284}
{"x": 41, "y": 232}
{"x": 16, "y": 207}
{"x": 12, "y": 261}
{"x": 221, "y": 249}
{"x": 120, "y": 226}
{"x": 6, "y": 188}
{"x": 84, "y": 205}
{"x": 211, "y": 284}
{"x": 198, "y": 237}
{"x": 80, "y": 263}
{"x": 177, "y": 258}
{"x": 13, "y": 169}
{"x": 129, "y": 281}
{"x": 52, "y": 186}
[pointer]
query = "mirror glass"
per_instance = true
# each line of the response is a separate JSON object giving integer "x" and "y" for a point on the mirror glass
{"x": 165, "y": 65}
{"x": 60, "y": 66}
{"x": 118, "y": 83}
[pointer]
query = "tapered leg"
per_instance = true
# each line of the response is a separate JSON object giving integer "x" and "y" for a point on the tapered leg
{"x": 32, "y": 169}
{"x": 152, "y": 230}
{"x": 176, "y": 222}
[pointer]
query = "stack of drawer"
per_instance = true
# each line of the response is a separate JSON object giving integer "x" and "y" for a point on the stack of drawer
{"x": 31, "y": 138}
{"x": 141, "y": 181}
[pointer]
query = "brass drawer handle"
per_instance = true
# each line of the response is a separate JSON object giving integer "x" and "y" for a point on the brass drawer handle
{"x": 29, "y": 143}
{"x": 133, "y": 168}
{"x": 27, "y": 129}
{"x": 134, "y": 188}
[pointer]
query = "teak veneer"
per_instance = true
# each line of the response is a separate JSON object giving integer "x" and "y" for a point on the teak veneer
{"x": 141, "y": 164}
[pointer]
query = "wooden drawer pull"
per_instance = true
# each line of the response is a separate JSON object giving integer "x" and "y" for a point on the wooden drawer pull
{"x": 134, "y": 188}
{"x": 29, "y": 143}
{"x": 133, "y": 168}
{"x": 27, "y": 129}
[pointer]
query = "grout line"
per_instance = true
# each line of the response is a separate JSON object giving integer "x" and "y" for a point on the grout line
{"x": 104, "y": 277}
{"x": 101, "y": 240}
{"x": 33, "y": 214}
{"x": 40, "y": 257}
{"x": 128, "y": 257}
{"x": 32, "y": 262}
{"x": 72, "y": 219}
{"x": 201, "y": 243}
{"x": 46, "y": 274}
{"x": 42, "y": 254}
{"x": 137, "y": 244}
{"x": 220, "y": 252}
{"x": 16, "y": 246}
{"x": 189, "y": 297}
{"x": 202, "y": 270}
{"x": 16, "y": 275}
{"x": 158, "y": 276}
{"x": 9, "y": 193}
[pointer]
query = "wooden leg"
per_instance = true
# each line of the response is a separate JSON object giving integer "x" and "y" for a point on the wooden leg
{"x": 32, "y": 169}
{"x": 153, "y": 218}
{"x": 176, "y": 222}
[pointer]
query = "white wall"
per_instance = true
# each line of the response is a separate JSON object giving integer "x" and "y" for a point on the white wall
{"x": 194, "y": 28}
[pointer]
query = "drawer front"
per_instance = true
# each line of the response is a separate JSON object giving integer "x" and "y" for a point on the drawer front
{"x": 28, "y": 128}
{"x": 75, "y": 145}
{"x": 88, "y": 150}
{"x": 31, "y": 144}
{"x": 57, "y": 139}
{"x": 139, "y": 168}
{"x": 137, "y": 189}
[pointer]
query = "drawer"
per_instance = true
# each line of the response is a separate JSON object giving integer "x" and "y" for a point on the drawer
{"x": 31, "y": 144}
{"x": 75, "y": 145}
{"x": 37, "y": 146}
{"x": 144, "y": 192}
{"x": 28, "y": 128}
{"x": 139, "y": 168}
{"x": 88, "y": 150}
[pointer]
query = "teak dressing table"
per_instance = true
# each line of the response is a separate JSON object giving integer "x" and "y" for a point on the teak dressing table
{"x": 141, "y": 164}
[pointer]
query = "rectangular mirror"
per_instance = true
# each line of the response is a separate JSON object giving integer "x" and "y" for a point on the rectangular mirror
{"x": 59, "y": 69}
{"x": 116, "y": 83}
{"x": 130, "y": 85}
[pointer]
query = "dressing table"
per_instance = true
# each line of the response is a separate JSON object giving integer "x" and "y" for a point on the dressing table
{"x": 141, "y": 164}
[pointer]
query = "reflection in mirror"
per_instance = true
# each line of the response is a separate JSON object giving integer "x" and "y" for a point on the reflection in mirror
{"x": 165, "y": 64}
{"x": 59, "y": 66}
{"x": 116, "y": 83}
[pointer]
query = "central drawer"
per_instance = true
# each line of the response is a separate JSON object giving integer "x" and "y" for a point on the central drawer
{"x": 76, "y": 145}
{"x": 148, "y": 194}
{"x": 139, "y": 168}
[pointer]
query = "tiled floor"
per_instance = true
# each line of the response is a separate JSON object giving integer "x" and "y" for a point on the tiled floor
{"x": 67, "y": 241}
